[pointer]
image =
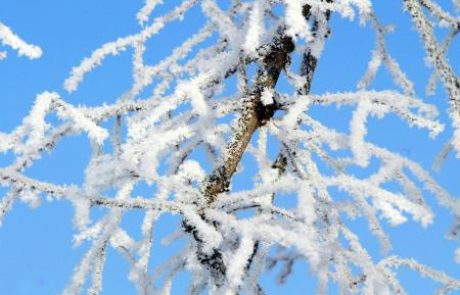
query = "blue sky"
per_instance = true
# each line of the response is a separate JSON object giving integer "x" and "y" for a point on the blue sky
{"x": 36, "y": 254}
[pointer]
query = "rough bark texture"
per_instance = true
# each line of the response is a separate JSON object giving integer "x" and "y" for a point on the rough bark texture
{"x": 254, "y": 115}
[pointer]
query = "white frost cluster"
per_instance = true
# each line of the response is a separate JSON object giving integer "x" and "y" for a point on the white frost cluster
{"x": 181, "y": 133}
{"x": 8, "y": 38}
{"x": 143, "y": 14}
{"x": 256, "y": 28}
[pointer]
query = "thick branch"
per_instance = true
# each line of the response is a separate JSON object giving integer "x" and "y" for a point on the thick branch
{"x": 254, "y": 115}
{"x": 275, "y": 57}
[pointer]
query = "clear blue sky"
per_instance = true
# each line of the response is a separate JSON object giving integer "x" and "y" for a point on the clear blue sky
{"x": 36, "y": 254}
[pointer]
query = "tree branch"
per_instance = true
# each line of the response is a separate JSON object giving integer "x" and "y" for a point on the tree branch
{"x": 254, "y": 115}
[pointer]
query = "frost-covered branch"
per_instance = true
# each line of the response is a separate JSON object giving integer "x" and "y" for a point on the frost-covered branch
{"x": 8, "y": 38}
{"x": 240, "y": 87}
{"x": 436, "y": 57}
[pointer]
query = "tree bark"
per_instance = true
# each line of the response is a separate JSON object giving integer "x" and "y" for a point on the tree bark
{"x": 254, "y": 115}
